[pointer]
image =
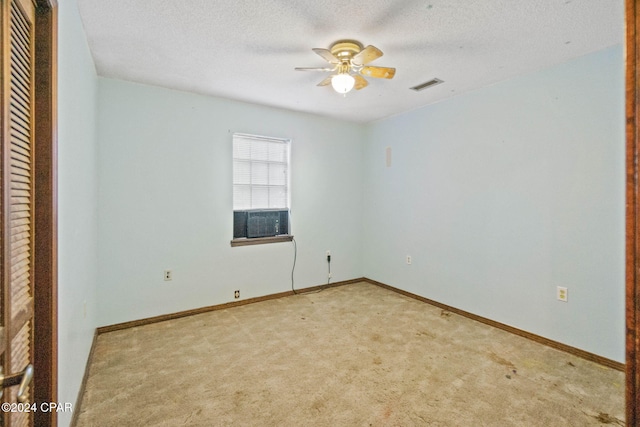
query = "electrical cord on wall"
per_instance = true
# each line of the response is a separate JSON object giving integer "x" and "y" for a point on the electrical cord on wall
{"x": 295, "y": 256}
{"x": 293, "y": 268}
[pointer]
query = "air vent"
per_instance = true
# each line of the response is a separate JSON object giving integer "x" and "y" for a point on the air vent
{"x": 425, "y": 85}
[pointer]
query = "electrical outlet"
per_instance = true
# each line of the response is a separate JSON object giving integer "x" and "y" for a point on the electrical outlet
{"x": 409, "y": 259}
{"x": 236, "y": 294}
{"x": 328, "y": 253}
{"x": 562, "y": 294}
{"x": 168, "y": 275}
{"x": 329, "y": 276}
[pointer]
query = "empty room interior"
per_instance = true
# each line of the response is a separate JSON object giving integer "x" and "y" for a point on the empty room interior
{"x": 488, "y": 202}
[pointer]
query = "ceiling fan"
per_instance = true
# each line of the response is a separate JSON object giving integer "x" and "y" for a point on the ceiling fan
{"x": 349, "y": 60}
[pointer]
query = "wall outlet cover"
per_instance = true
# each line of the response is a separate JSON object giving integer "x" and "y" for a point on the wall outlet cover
{"x": 562, "y": 294}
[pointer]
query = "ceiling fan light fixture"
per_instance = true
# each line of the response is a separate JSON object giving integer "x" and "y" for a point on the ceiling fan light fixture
{"x": 342, "y": 83}
{"x": 349, "y": 61}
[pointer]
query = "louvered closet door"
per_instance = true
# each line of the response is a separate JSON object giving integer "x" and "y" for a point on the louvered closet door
{"x": 17, "y": 201}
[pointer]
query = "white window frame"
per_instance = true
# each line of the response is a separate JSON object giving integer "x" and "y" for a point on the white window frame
{"x": 255, "y": 176}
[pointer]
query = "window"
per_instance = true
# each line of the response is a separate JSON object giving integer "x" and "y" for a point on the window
{"x": 260, "y": 189}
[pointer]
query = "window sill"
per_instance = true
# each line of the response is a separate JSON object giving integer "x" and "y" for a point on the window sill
{"x": 261, "y": 240}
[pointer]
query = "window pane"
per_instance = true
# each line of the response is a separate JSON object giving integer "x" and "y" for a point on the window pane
{"x": 259, "y": 150}
{"x": 277, "y": 174}
{"x": 259, "y": 173}
{"x": 241, "y": 172}
{"x": 277, "y": 197}
{"x": 259, "y": 197}
{"x": 277, "y": 152}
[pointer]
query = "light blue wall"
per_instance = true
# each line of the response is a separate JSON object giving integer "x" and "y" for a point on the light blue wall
{"x": 77, "y": 204}
{"x": 166, "y": 201}
{"x": 499, "y": 195}
{"x": 502, "y": 194}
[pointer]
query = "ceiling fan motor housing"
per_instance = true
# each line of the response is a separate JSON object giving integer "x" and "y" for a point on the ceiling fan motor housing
{"x": 344, "y": 50}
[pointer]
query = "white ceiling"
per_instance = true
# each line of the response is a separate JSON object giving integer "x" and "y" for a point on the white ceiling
{"x": 247, "y": 49}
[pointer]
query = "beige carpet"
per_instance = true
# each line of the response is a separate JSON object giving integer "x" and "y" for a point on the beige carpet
{"x": 355, "y": 355}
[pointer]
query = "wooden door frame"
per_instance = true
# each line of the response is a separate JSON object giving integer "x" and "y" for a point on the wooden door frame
{"x": 632, "y": 246}
{"x": 45, "y": 212}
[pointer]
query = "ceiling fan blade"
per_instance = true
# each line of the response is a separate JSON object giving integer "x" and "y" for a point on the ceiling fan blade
{"x": 314, "y": 69}
{"x": 360, "y": 82}
{"x": 378, "y": 72}
{"x": 326, "y": 55}
{"x": 325, "y": 82}
{"x": 366, "y": 55}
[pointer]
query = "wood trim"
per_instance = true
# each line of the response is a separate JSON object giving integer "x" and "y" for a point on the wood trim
{"x": 164, "y": 317}
{"x": 632, "y": 244}
{"x": 261, "y": 240}
{"x": 45, "y": 217}
{"x": 537, "y": 338}
{"x": 83, "y": 385}
{"x": 533, "y": 337}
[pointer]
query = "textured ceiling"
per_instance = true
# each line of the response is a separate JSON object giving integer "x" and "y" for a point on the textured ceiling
{"x": 247, "y": 49}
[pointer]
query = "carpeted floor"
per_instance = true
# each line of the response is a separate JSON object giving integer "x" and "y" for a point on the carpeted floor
{"x": 354, "y": 355}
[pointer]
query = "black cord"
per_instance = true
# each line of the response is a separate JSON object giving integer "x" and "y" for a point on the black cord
{"x": 329, "y": 264}
{"x": 295, "y": 256}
